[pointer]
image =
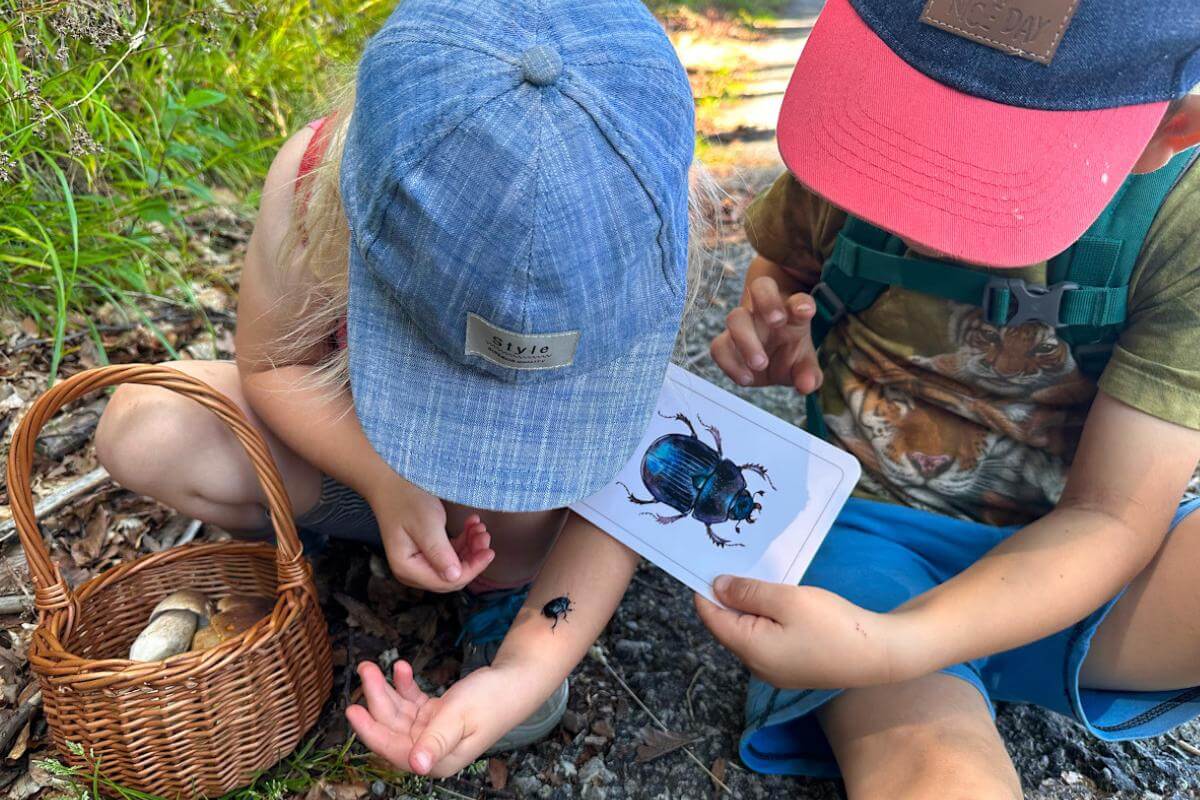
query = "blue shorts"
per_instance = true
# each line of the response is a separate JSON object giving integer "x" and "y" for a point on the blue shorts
{"x": 880, "y": 555}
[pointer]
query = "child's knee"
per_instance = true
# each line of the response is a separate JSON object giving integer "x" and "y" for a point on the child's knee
{"x": 145, "y": 431}
{"x": 944, "y": 762}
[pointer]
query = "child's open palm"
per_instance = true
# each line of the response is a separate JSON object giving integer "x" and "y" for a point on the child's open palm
{"x": 435, "y": 736}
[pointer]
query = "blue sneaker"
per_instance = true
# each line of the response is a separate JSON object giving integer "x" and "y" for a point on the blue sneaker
{"x": 487, "y": 618}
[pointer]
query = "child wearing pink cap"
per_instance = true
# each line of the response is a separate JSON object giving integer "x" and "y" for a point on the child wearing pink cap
{"x": 982, "y": 271}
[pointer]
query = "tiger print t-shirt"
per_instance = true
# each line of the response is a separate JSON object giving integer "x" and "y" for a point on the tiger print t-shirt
{"x": 951, "y": 414}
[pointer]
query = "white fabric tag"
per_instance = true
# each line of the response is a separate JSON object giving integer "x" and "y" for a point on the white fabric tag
{"x": 520, "y": 350}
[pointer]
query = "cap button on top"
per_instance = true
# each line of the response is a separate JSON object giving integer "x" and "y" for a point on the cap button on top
{"x": 541, "y": 65}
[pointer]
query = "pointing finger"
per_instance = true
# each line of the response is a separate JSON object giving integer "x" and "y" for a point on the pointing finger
{"x": 767, "y": 302}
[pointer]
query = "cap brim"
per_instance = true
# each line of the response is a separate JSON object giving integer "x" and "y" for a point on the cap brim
{"x": 975, "y": 180}
{"x": 471, "y": 438}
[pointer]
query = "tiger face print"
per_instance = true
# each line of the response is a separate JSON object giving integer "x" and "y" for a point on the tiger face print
{"x": 1008, "y": 361}
{"x": 935, "y": 459}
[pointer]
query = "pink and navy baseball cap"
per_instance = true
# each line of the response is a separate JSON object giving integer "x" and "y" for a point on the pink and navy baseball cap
{"x": 990, "y": 131}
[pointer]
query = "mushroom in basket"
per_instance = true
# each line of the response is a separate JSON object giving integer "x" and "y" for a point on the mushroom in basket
{"x": 172, "y": 624}
{"x": 236, "y": 614}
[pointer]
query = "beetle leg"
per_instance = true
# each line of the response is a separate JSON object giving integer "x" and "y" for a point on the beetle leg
{"x": 716, "y": 434}
{"x": 637, "y": 500}
{"x": 760, "y": 471}
{"x": 662, "y": 518}
{"x": 680, "y": 417}
{"x": 718, "y": 541}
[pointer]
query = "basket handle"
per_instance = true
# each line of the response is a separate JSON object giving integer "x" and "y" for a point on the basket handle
{"x": 51, "y": 590}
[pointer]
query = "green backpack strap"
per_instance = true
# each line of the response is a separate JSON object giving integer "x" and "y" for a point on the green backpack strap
{"x": 1108, "y": 253}
{"x": 1085, "y": 297}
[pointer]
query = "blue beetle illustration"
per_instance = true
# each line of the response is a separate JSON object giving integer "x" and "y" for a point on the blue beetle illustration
{"x": 696, "y": 480}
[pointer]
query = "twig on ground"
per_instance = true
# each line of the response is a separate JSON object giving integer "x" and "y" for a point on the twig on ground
{"x": 1188, "y": 747}
{"x": 14, "y": 604}
{"x": 13, "y": 725}
{"x": 692, "y": 685}
{"x": 598, "y": 653}
{"x": 59, "y": 498}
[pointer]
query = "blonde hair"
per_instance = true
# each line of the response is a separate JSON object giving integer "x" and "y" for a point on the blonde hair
{"x": 313, "y": 256}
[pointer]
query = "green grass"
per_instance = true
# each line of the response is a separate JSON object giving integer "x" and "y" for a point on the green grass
{"x": 119, "y": 118}
{"x": 292, "y": 777}
{"x": 745, "y": 10}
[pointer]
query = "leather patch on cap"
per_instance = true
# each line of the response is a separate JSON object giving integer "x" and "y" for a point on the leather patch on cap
{"x": 1030, "y": 29}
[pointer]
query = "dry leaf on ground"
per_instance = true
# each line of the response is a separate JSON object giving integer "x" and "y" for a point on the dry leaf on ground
{"x": 656, "y": 743}
{"x": 497, "y": 773}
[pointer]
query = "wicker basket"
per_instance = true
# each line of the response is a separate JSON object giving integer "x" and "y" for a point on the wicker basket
{"x": 199, "y": 723}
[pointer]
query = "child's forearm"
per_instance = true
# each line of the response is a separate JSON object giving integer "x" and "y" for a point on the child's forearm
{"x": 1043, "y": 579}
{"x": 319, "y": 424}
{"x": 593, "y": 570}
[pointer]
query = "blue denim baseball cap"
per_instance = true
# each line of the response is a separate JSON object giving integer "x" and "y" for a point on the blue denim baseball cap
{"x": 991, "y": 131}
{"x": 516, "y": 181}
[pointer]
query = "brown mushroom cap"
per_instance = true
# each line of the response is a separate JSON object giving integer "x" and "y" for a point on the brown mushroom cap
{"x": 238, "y": 614}
{"x": 264, "y": 605}
{"x": 186, "y": 600}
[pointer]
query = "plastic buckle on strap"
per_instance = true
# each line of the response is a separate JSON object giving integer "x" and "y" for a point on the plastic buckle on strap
{"x": 1033, "y": 303}
{"x": 829, "y": 305}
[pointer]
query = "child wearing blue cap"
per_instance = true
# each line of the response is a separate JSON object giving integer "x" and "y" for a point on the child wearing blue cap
{"x": 982, "y": 271}
{"x": 456, "y": 314}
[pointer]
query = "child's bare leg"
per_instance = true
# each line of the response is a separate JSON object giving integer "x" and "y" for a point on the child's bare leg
{"x": 1150, "y": 641}
{"x": 923, "y": 739}
{"x": 166, "y": 446}
{"x": 521, "y": 541}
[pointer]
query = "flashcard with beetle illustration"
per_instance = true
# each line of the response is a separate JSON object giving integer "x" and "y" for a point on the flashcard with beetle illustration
{"x": 718, "y": 486}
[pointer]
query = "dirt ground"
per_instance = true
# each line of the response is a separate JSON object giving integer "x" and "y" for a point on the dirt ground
{"x": 655, "y": 710}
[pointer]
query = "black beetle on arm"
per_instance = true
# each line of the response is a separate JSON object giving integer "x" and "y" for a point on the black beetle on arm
{"x": 696, "y": 480}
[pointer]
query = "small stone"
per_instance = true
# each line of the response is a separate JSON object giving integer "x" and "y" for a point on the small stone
{"x": 1071, "y": 777}
{"x": 378, "y": 788}
{"x": 526, "y": 785}
{"x": 598, "y": 742}
{"x": 603, "y": 727}
{"x": 567, "y": 768}
{"x": 593, "y": 792}
{"x": 573, "y": 722}
{"x": 595, "y": 772}
{"x": 631, "y": 650}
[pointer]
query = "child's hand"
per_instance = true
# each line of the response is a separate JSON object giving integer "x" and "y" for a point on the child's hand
{"x": 435, "y": 736}
{"x": 412, "y": 523}
{"x": 801, "y": 637}
{"x": 770, "y": 343}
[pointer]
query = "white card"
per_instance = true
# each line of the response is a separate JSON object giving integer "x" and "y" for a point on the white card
{"x": 792, "y": 506}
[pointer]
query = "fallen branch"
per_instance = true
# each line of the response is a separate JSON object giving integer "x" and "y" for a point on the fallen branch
{"x": 598, "y": 654}
{"x": 14, "y": 603}
{"x": 13, "y": 725}
{"x": 58, "y": 498}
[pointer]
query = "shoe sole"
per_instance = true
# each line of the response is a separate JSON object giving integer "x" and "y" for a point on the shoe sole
{"x": 527, "y": 733}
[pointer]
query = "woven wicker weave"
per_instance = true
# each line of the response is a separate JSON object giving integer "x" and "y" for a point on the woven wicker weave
{"x": 199, "y": 723}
